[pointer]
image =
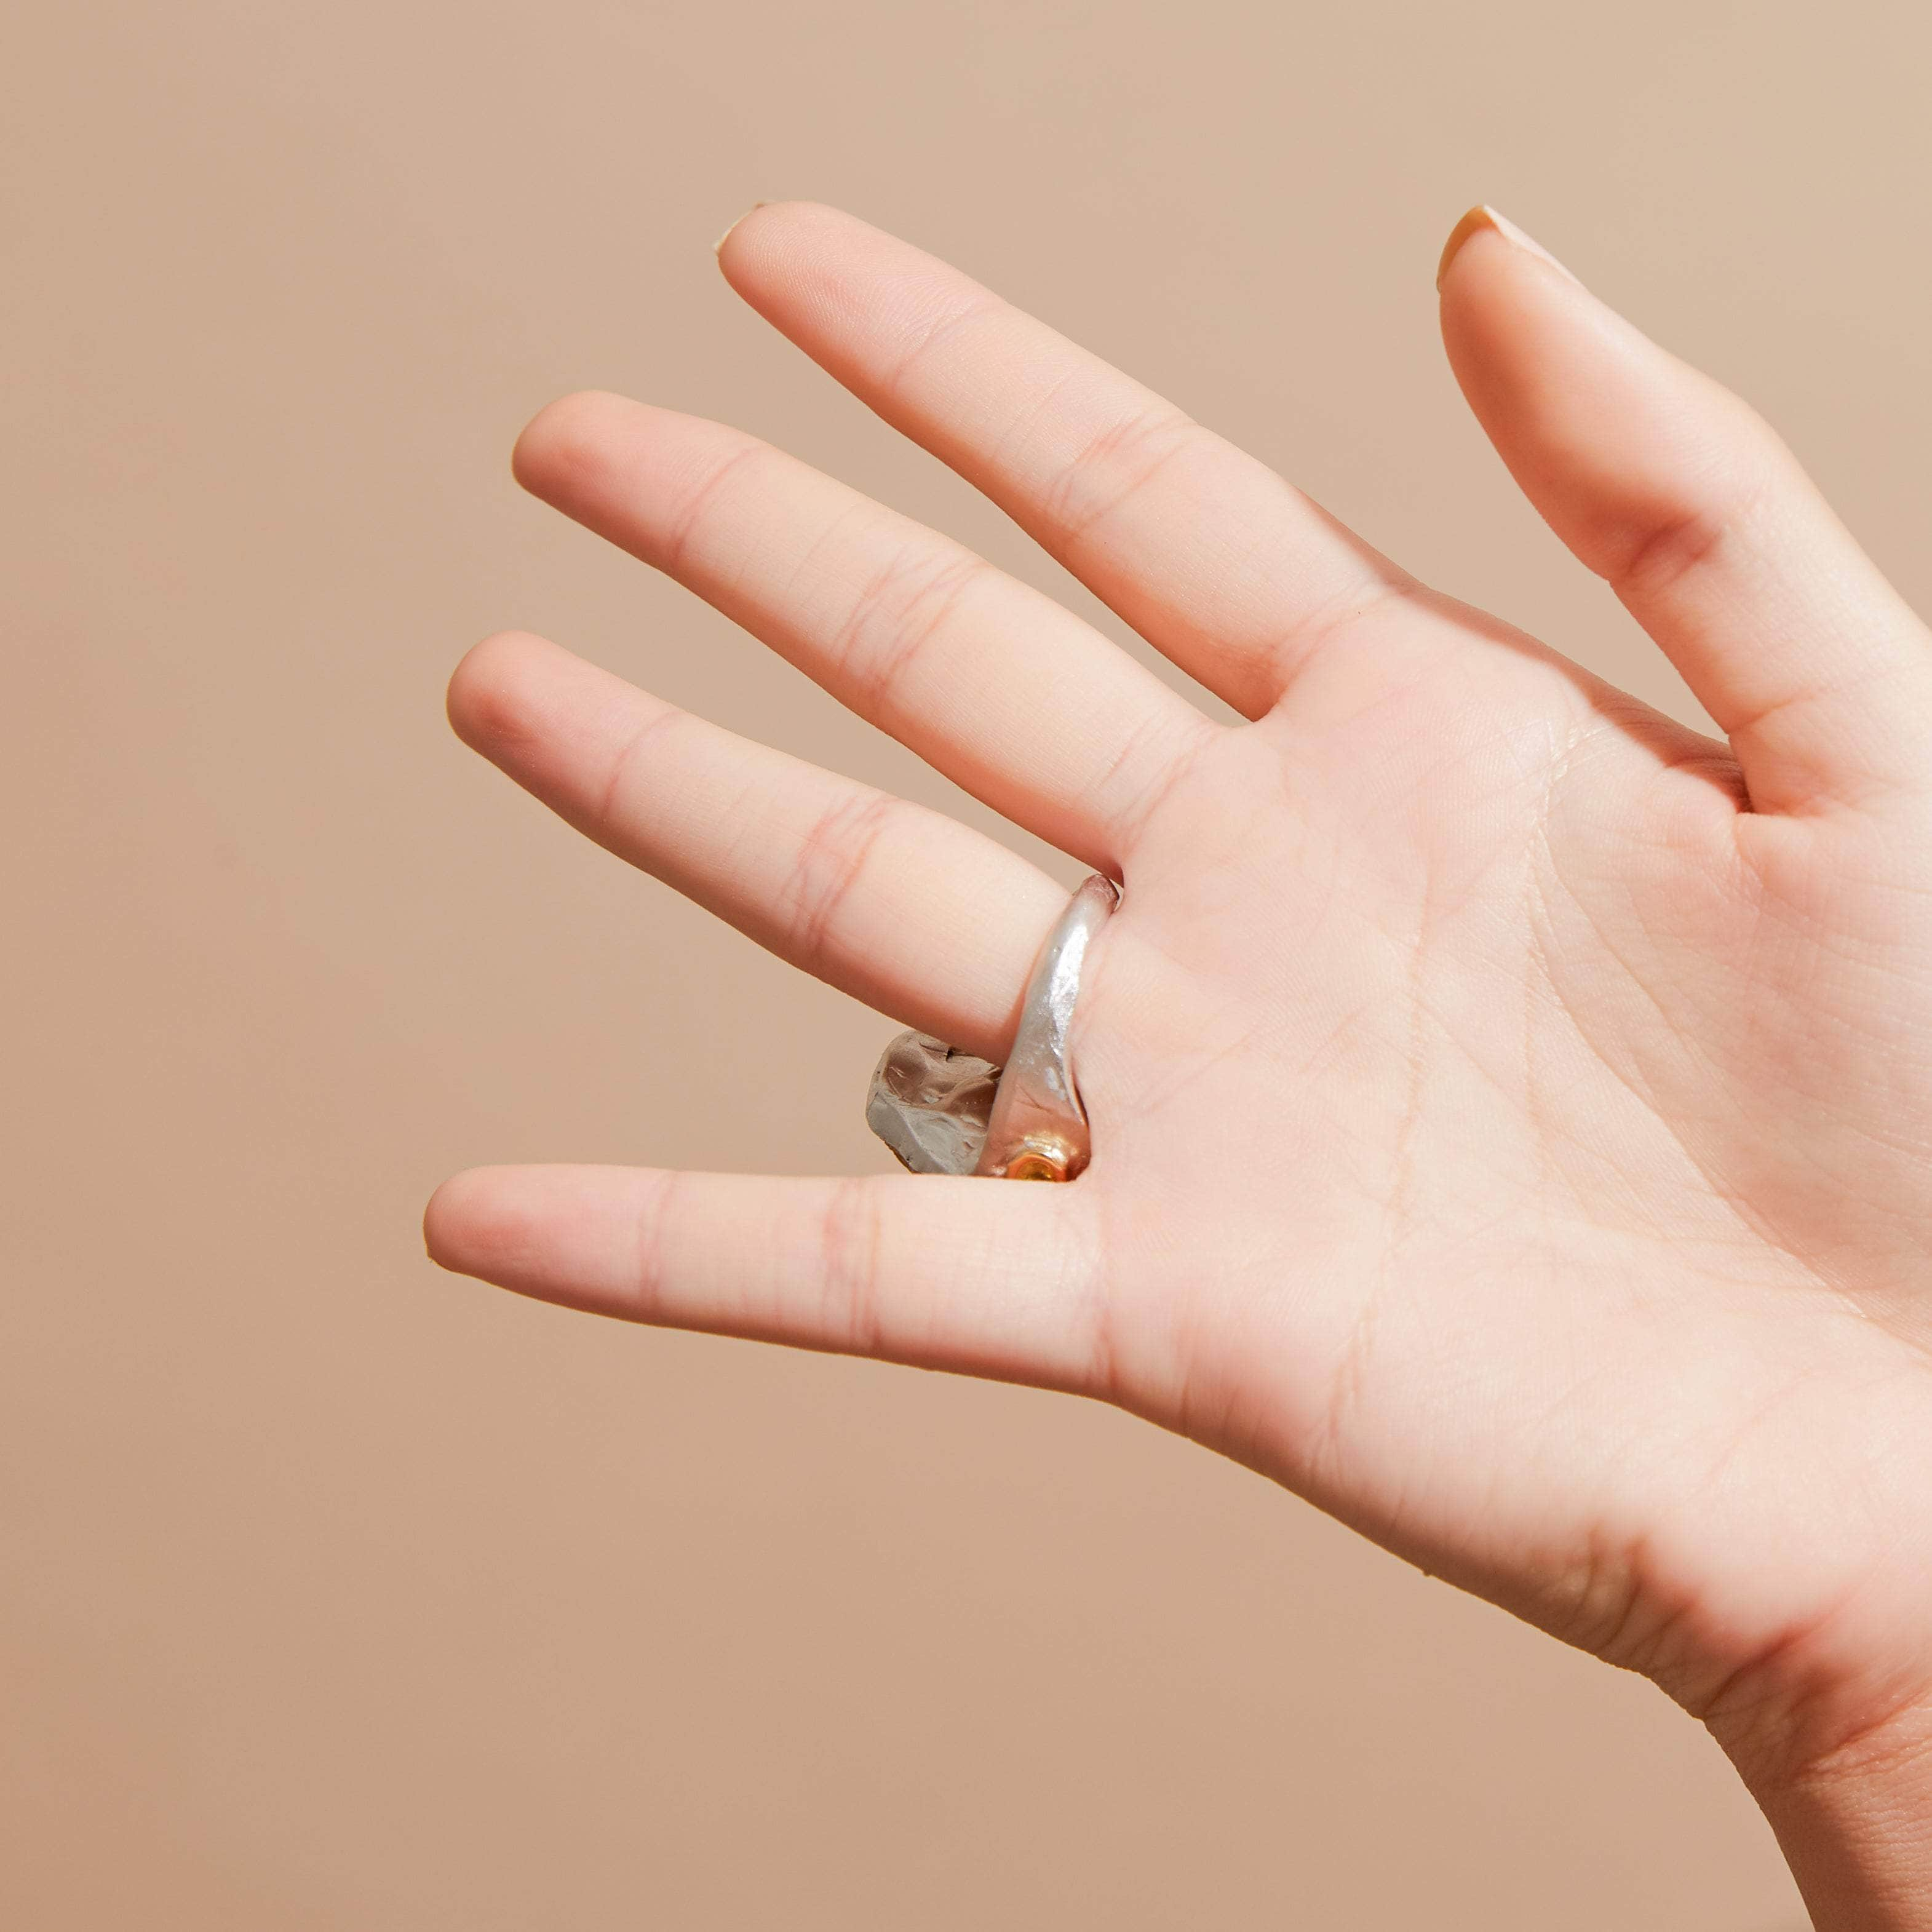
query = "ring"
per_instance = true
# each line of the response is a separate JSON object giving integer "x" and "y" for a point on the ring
{"x": 943, "y": 1111}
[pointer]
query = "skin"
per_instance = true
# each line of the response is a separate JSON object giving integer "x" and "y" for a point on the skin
{"x": 1512, "y": 1110}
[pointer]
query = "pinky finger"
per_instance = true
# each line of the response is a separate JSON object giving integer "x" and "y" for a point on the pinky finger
{"x": 941, "y": 1273}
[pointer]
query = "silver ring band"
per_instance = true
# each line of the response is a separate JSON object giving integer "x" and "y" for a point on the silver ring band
{"x": 943, "y": 1111}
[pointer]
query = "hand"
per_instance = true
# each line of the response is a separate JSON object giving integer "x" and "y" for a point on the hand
{"x": 1512, "y": 1111}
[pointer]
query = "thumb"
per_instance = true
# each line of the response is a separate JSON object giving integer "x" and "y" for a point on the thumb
{"x": 1684, "y": 500}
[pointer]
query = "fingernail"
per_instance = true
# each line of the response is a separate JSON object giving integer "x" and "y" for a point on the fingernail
{"x": 1483, "y": 216}
{"x": 718, "y": 245}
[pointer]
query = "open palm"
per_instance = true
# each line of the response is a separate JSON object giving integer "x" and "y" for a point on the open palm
{"x": 1512, "y": 1111}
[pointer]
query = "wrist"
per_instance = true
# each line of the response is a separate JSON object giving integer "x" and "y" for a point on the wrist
{"x": 1854, "y": 1824}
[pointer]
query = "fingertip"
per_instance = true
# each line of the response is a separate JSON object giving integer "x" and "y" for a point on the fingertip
{"x": 472, "y": 1224}
{"x": 1511, "y": 243}
{"x": 1473, "y": 222}
{"x": 717, "y": 246}
{"x": 769, "y": 233}
{"x": 563, "y": 439}
{"x": 486, "y": 701}
{"x": 443, "y": 1219}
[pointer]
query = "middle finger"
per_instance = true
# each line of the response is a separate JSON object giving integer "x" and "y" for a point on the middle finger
{"x": 990, "y": 681}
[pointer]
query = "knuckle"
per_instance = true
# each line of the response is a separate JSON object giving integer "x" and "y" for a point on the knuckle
{"x": 901, "y": 609}
{"x": 849, "y": 1238}
{"x": 832, "y": 857}
{"x": 1660, "y": 556}
{"x": 945, "y": 319}
{"x": 653, "y": 1239}
{"x": 1652, "y": 553}
{"x": 627, "y": 757}
{"x": 1113, "y": 467}
{"x": 697, "y": 504}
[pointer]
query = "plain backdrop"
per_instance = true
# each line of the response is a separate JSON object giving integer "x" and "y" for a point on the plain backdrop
{"x": 338, "y": 1592}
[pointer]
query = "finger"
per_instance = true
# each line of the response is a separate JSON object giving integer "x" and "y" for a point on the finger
{"x": 945, "y": 1272}
{"x": 1230, "y": 571}
{"x": 902, "y": 907}
{"x": 1005, "y": 691}
{"x": 1668, "y": 486}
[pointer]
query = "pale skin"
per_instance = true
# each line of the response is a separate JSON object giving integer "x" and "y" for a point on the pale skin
{"x": 1512, "y": 1111}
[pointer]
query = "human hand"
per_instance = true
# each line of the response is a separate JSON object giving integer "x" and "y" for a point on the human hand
{"x": 1512, "y": 1111}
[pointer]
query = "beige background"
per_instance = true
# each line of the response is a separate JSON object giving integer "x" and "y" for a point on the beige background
{"x": 336, "y": 1592}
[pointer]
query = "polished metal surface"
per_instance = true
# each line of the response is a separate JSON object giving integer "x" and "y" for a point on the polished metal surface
{"x": 943, "y": 1111}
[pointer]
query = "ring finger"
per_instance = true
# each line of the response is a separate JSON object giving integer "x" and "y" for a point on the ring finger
{"x": 903, "y": 908}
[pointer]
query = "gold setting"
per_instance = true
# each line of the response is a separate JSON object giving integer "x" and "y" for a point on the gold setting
{"x": 1040, "y": 1157}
